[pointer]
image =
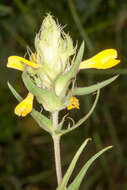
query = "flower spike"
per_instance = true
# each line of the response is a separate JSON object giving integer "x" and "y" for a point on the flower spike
{"x": 25, "y": 106}
{"x": 17, "y": 62}
{"x": 74, "y": 103}
{"x": 103, "y": 60}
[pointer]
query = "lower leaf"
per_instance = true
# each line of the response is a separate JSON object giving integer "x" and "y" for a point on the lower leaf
{"x": 77, "y": 181}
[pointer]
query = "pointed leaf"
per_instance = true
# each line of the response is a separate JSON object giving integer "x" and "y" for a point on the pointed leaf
{"x": 42, "y": 121}
{"x": 77, "y": 62}
{"x": 32, "y": 87}
{"x": 93, "y": 88}
{"x": 62, "y": 82}
{"x": 48, "y": 97}
{"x": 72, "y": 166}
{"x": 82, "y": 120}
{"x": 77, "y": 181}
{"x": 61, "y": 123}
{"x": 16, "y": 94}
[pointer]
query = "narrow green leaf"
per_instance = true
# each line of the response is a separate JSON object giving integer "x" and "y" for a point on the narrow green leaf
{"x": 32, "y": 87}
{"x": 42, "y": 121}
{"x": 77, "y": 62}
{"x": 62, "y": 82}
{"x": 61, "y": 123}
{"x": 82, "y": 120}
{"x": 49, "y": 98}
{"x": 72, "y": 166}
{"x": 16, "y": 94}
{"x": 93, "y": 88}
{"x": 77, "y": 181}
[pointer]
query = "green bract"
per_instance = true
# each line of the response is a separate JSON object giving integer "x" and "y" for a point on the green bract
{"x": 53, "y": 48}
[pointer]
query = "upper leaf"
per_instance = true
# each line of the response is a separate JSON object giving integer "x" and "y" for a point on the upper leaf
{"x": 64, "y": 80}
{"x": 48, "y": 98}
{"x": 93, "y": 88}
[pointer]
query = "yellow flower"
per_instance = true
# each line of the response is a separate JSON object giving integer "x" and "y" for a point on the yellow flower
{"x": 103, "y": 60}
{"x": 25, "y": 107}
{"x": 74, "y": 103}
{"x": 18, "y": 63}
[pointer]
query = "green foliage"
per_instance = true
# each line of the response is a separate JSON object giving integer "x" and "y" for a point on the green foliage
{"x": 50, "y": 101}
{"x": 63, "y": 81}
{"x": 78, "y": 180}
{"x": 42, "y": 121}
{"x": 93, "y": 88}
{"x": 72, "y": 166}
{"x": 82, "y": 120}
{"x": 101, "y": 24}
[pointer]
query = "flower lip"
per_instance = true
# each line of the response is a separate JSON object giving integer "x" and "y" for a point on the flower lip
{"x": 74, "y": 103}
{"x": 103, "y": 60}
{"x": 17, "y": 62}
{"x": 25, "y": 106}
{"x": 107, "y": 54}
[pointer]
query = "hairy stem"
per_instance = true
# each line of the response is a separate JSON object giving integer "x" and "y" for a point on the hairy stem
{"x": 56, "y": 141}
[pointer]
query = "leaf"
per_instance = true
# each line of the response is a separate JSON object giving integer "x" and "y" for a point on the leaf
{"x": 62, "y": 81}
{"x": 82, "y": 120}
{"x": 60, "y": 125}
{"x": 49, "y": 100}
{"x": 16, "y": 94}
{"x": 32, "y": 87}
{"x": 77, "y": 181}
{"x": 93, "y": 88}
{"x": 42, "y": 121}
{"x": 72, "y": 166}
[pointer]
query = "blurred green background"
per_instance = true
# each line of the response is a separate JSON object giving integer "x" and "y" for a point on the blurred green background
{"x": 26, "y": 152}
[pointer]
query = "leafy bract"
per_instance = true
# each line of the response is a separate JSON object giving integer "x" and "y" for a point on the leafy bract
{"x": 82, "y": 120}
{"x": 63, "y": 81}
{"x": 93, "y": 88}
{"x": 50, "y": 101}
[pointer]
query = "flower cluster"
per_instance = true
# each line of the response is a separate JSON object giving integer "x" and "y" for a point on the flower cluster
{"x": 52, "y": 69}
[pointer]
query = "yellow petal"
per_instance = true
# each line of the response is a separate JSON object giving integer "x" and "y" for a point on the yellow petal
{"x": 74, "y": 103}
{"x": 16, "y": 62}
{"x": 25, "y": 107}
{"x": 103, "y": 60}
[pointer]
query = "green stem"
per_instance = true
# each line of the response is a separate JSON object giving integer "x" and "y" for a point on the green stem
{"x": 56, "y": 141}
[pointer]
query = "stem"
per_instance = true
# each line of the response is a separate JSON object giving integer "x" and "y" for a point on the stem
{"x": 56, "y": 141}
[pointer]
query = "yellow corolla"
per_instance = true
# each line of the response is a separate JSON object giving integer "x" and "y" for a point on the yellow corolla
{"x": 16, "y": 62}
{"x": 103, "y": 60}
{"x": 25, "y": 106}
{"x": 74, "y": 103}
